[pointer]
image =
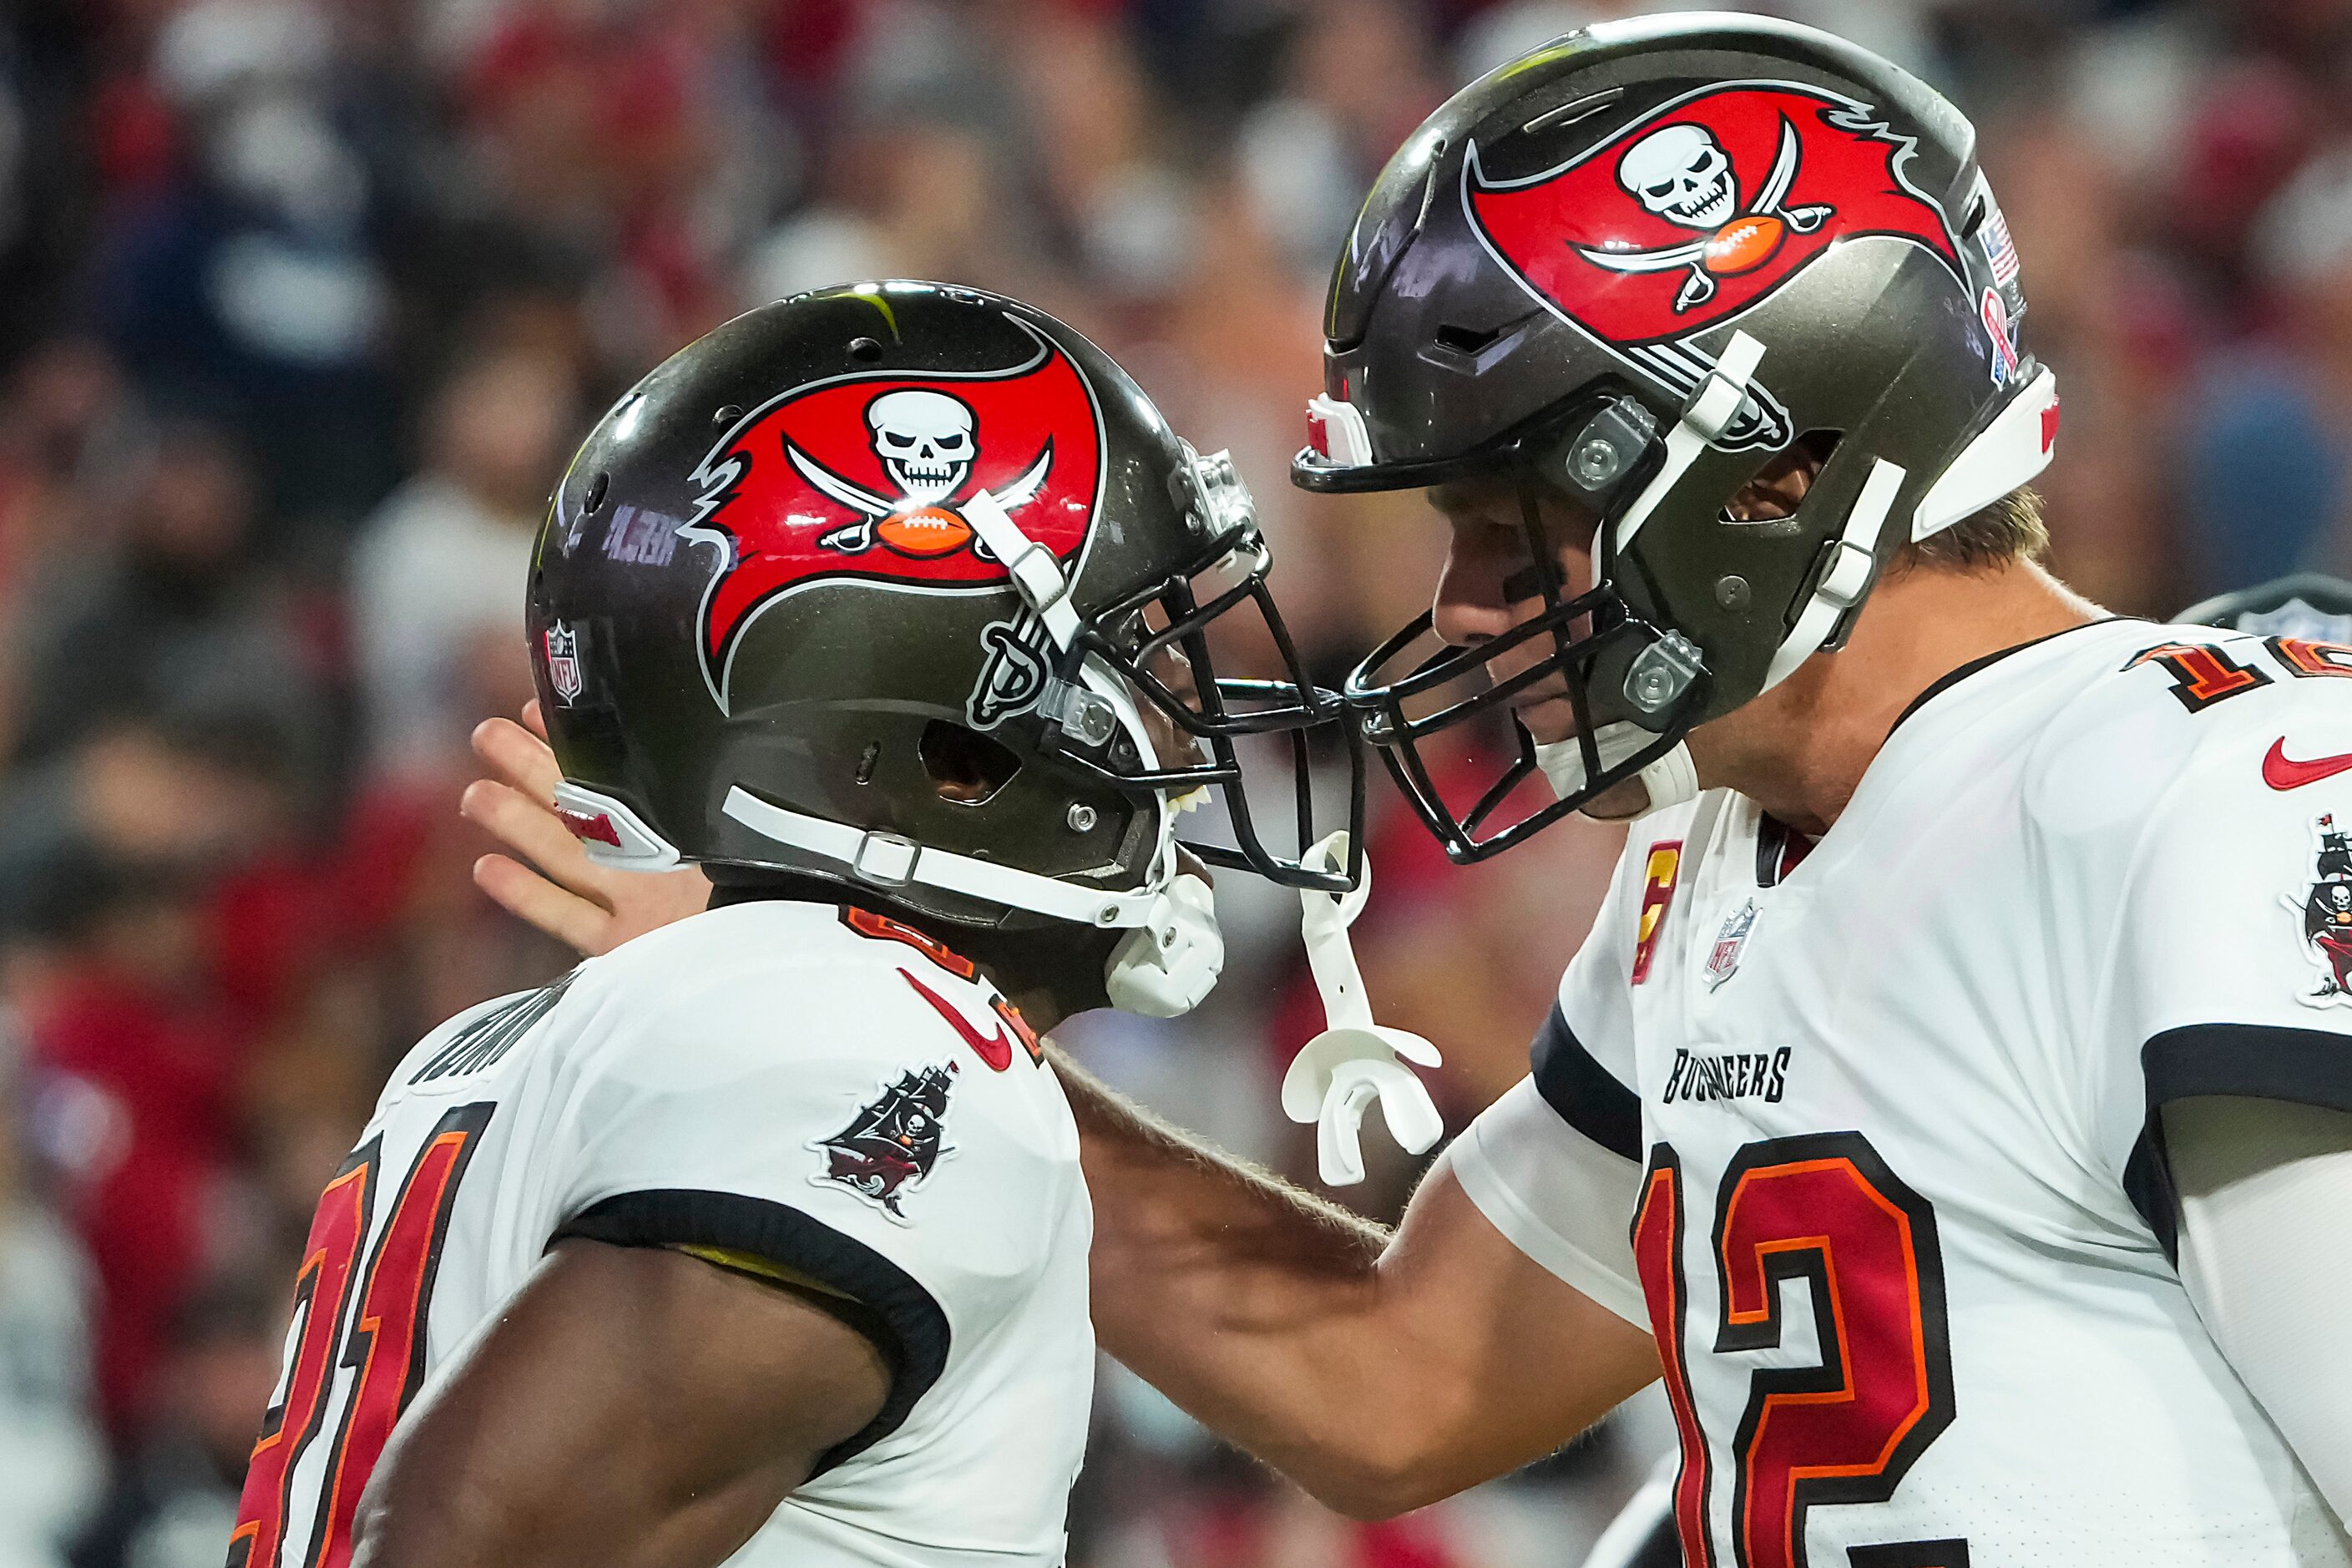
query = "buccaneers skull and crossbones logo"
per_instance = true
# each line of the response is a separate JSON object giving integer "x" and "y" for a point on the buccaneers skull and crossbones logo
{"x": 1683, "y": 174}
{"x": 869, "y": 477}
{"x": 1696, "y": 211}
{"x": 928, "y": 441}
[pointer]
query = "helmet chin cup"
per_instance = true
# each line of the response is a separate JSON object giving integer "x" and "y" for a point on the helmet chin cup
{"x": 1165, "y": 967}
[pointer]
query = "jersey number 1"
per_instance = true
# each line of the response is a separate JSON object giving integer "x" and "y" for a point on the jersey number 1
{"x": 1823, "y": 1209}
{"x": 384, "y": 1341}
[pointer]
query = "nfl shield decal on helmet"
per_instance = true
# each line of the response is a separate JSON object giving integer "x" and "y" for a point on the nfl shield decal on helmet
{"x": 893, "y": 1142}
{"x": 866, "y": 478}
{"x": 562, "y": 649}
{"x": 2325, "y": 908}
{"x": 1698, "y": 211}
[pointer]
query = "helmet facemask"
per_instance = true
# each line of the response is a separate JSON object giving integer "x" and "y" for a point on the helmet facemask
{"x": 1146, "y": 663}
{"x": 1635, "y": 689}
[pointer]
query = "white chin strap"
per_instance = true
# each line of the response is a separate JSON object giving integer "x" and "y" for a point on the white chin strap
{"x": 1708, "y": 415}
{"x": 1671, "y": 780}
{"x": 1173, "y": 952}
{"x": 1846, "y": 580}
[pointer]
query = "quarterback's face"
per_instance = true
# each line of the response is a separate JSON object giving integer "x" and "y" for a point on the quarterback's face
{"x": 1491, "y": 585}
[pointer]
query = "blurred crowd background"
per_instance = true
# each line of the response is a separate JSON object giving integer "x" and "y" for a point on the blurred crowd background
{"x": 303, "y": 304}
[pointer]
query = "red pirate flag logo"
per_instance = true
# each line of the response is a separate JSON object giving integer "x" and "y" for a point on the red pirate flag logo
{"x": 865, "y": 477}
{"x": 1698, "y": 211}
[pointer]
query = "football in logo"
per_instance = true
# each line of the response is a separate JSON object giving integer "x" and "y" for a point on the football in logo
{"x": 1698, "y": 211}
{"x": 865, "y": 477}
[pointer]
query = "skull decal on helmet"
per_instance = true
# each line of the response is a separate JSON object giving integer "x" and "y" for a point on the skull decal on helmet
{"x": 868, "y": 477}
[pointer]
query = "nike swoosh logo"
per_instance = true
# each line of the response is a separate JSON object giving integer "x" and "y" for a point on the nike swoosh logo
{"x": 2283, "y": 771}
{"x": 997, "y": 1053}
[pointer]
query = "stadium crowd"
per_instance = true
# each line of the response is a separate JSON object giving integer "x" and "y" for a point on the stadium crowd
{"x": 303, "y": 304}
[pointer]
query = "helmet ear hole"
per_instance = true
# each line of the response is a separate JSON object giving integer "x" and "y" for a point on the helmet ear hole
{"x": 968, "y": 767}
{"x": 1781, "y": 484}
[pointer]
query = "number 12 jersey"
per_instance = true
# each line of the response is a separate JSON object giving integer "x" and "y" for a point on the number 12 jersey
{"x": 1882, "y": 1115}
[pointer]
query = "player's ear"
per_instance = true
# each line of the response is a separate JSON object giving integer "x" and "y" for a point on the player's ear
{"x": 1781, "y": 486}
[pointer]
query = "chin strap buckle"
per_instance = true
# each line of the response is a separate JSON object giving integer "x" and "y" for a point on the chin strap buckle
{"x": 1037, "y": 575}
{"x": 1848, "y": 566}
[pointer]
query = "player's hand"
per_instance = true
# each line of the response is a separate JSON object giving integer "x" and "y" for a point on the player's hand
{"x": 549, "y": 881}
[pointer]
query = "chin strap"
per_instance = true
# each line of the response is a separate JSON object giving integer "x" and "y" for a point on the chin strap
{"x": 1708, "y": 415}
{"x": 1036, "y": 575}
{"x": 1845, "y": 578}
{"x": 1354, "y": 1062}
{"x": 1166, "y": 963}
{"x": 1671, "y": 780}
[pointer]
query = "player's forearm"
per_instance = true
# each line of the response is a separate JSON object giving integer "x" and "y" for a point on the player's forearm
{"x": 1258, "y": 1308}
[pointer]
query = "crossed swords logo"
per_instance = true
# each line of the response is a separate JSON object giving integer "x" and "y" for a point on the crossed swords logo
{"x": 928, "y": 442}
{"x": 1683, "y": 174}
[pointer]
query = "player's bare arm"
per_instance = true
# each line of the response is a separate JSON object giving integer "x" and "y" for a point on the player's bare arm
{"x": 1379, "y": 1372}
{"x": 634, "y": 1406}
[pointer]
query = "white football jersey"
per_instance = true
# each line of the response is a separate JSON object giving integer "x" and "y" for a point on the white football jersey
{"x": 818, "y": 1089}
{"x": 1884, "y": 1114}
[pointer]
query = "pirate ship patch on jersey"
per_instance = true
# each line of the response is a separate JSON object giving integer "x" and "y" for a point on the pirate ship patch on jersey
{"x": 893, "y": 1142}
{"x": 2325, "y": 908}
{"x": 1698, "y": 211}
{"x": 867, "y": 476}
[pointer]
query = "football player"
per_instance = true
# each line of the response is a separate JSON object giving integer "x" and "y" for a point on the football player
{"x": 1953, "y": 1100}
{"x": 2308, "y": 605}
{"x": 762, "y": 1238}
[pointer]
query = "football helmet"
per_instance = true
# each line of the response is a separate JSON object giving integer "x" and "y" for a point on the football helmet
{"x": 1634, "y": 267}
{"x": 911, "y": 587}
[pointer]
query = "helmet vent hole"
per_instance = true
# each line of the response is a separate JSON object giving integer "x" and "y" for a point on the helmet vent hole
{"x": 597, "y": 486}
{"x": 865, "y": 763}
{"x": 725, "y": 414}
{"x": 1466, "y": 339}
{"x": 865, "y": 351}
{"x": 968, "y": 767}
{"x": 1779, "y": 488}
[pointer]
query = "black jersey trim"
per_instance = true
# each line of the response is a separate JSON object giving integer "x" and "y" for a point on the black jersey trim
{"x": 2148, "y": 1183}
{"x": 2249, "y": 1061}
{"x": 914, "y": 1339}
{"x": 2254, "y": 1061}
{"x": 1952, "y": 678}
{"x": 1950, "y": 1552}
{"x": 1587, "y": 1096}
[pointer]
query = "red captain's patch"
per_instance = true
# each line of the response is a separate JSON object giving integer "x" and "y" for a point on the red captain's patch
{"x": 1659, "y": 873}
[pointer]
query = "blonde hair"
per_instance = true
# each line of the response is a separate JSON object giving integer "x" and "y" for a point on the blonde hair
{"x": 2010, "y": 530}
